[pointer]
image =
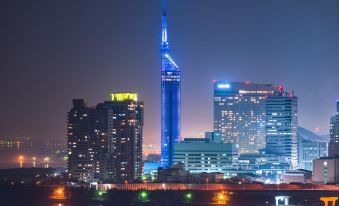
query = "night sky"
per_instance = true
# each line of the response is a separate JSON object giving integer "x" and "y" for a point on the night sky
{"x": 52, "y": 51}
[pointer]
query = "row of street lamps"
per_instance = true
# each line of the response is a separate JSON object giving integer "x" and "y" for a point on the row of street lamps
{"x": 21, "y": 160}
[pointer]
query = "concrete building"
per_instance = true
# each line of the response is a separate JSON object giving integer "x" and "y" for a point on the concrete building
{"x": 205, "y": 154}
{"x": 177, "y": 173}
{"x": 127, "y": 130}
{"x": 84, "y": 157}
{"x": 281, "y": 126}
{"x": 239, "y": 113}
{"x": 326, "y": 170}
{"x": 297, "y": 176}
{"x": 105, "y": 142}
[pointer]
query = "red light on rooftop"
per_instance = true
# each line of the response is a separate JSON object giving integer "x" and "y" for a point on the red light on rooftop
{"x": 280, "y": 88}
{"x": 317, "y": 129}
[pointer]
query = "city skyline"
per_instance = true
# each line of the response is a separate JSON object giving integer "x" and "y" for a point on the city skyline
{"x": 47, "y": 76}
{"x": 220, "y": 103}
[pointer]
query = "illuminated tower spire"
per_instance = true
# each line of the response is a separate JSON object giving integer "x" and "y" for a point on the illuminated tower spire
{"x": 164, "y": 25}
{"x": 170, "y": 98}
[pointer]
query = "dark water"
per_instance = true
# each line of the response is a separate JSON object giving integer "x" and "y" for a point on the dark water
{"x": 38, "y": 196}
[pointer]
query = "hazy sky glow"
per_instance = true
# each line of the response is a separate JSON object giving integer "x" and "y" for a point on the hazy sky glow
{"x": 54, "y": 51}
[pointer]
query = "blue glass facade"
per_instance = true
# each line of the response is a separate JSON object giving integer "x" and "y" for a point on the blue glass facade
{"x": 170, "y": 100}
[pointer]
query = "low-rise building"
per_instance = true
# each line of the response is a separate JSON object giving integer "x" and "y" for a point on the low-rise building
{"x": 208, "y": 154}
{"x": 310, "y": 147}
{"x": 326, "y": 170}
{"x": 213, "y": 177}
{"x": 297, "y": 176}
{"x": 176, "y": 173}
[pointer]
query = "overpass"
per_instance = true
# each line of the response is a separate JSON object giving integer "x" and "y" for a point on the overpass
{"x": 215, "y": 186}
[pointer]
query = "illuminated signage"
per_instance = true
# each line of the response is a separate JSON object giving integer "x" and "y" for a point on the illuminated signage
{"x": 224, "y": 86}
{"x": 119, "y": 97}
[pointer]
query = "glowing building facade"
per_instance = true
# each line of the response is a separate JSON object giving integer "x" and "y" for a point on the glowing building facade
{"x": 205, "y": 155}
{"x": 239, "y": 113}
{"x": 281, "y": 127}
{"x": 310, "y": 147}
{"x": 170, "y": 99}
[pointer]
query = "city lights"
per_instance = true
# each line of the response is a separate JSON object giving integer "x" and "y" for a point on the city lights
{"x": 46, "y": 160}
{"x": 58, "y": 194}
{"x": 224, "y": 86}
{"x": 124, "y": 96}
{"x": 170, "y": 99}
{"x": 188, "y": 197}
{"x": 221, "y": 198}
{"x": 34, "y": 159}
{"x": 143, "y": 196}
{"x": 239, "y": 142}
{"x": 21, "y": 159}
{"x": 100, "y": 193}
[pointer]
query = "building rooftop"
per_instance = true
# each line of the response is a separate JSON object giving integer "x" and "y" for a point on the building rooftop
{"x": 124, "y": 96}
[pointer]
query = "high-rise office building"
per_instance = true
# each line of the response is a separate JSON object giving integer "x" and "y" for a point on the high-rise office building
{"x": 333, "y": 146}
{"x": 239, "y": 113}
{"x": 170, "y": 99}
{"x": 105, "y": 142}
{"x": 281, "y": 126}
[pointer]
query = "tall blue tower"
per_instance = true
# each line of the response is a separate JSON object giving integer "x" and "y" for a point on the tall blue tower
{"x": 170, "y": 99}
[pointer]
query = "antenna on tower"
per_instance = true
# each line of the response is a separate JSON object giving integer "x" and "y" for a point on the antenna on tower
{"x": 164, "y": 24}
{"x": 164, "y": 7}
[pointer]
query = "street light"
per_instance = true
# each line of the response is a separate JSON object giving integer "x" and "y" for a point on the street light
{"x": 188, "y": 197}
{"x": 221, "y": 198}
{"x": 206, "y": 182}
{"x": 21, "y": 159}
{"x": 34, "y": 158}
{"x": 46, "y": 159}
{"x": 126, "y": 182}
{"x": 143, "y": 196}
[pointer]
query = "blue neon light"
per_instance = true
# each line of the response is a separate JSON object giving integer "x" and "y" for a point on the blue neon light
{"x": 224, "y": 86}
{"x": 170, "y": 100}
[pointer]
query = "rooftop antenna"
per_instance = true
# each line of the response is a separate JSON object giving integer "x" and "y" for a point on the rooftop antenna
{"x": 164, "y": 23}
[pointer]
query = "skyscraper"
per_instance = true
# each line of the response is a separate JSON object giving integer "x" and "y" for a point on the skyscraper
{"x": 84, "y": 155}
{"x": 105, "y": 142}
{"x": 239, "y": 113}
{"x": 170, "y": 98}
{"x": 333, "y": 146}
{"x": 281, "y": 127}
{"x": 127, "y": 128}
